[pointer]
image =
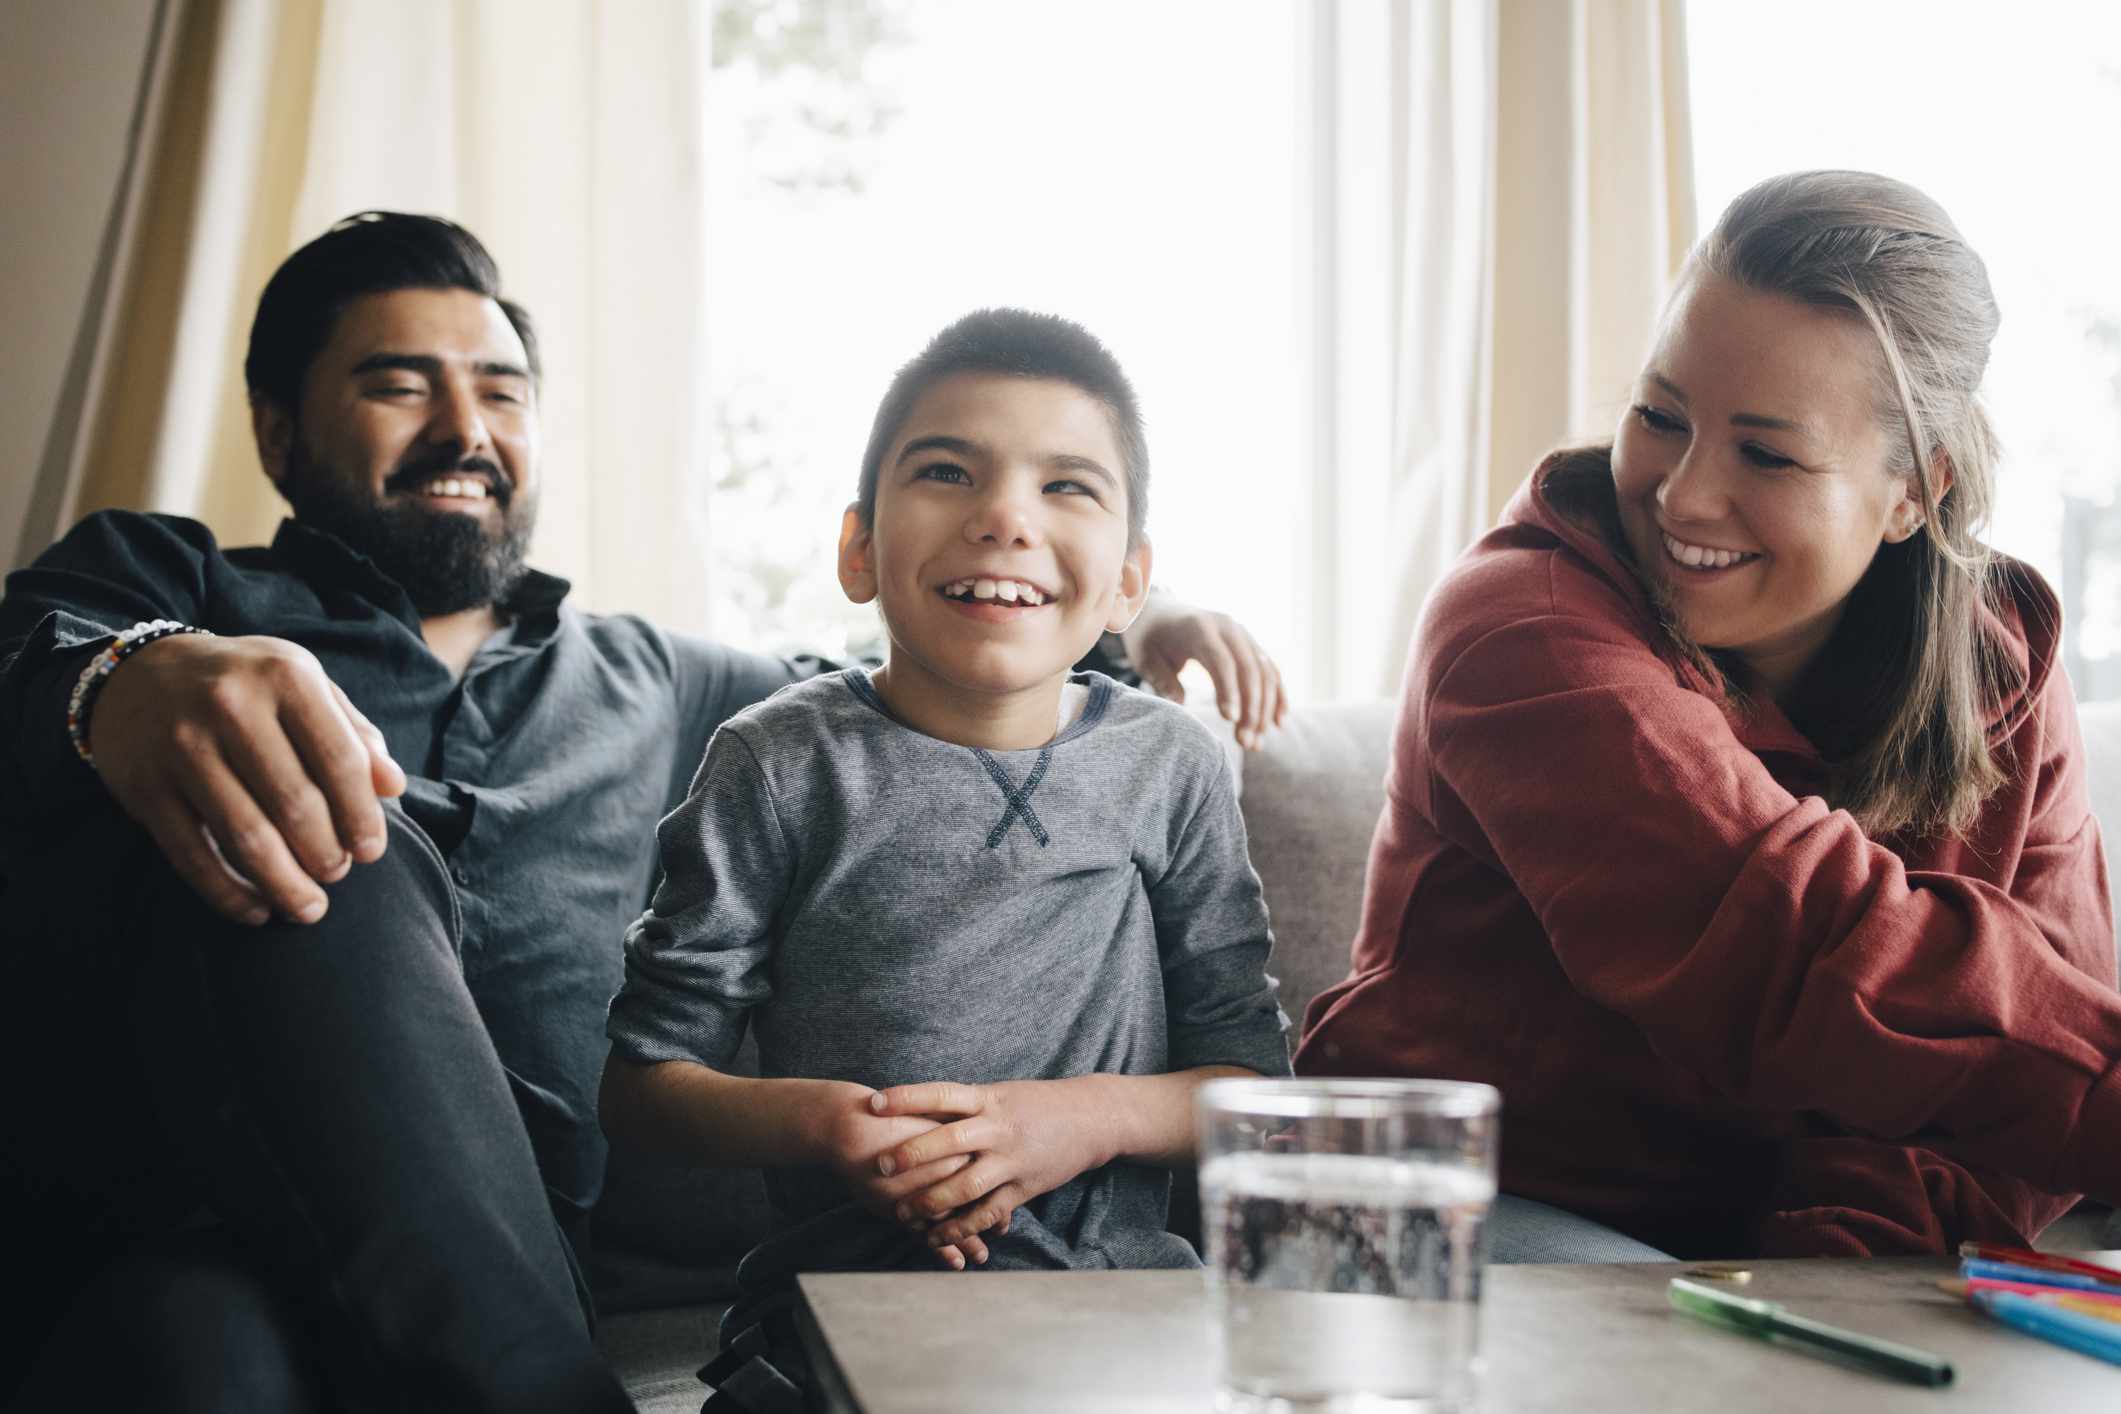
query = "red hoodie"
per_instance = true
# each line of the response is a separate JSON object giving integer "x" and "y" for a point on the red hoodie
{"x": 1722, "y": 1018}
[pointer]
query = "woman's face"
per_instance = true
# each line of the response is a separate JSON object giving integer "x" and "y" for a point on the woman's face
{"x": 1751, "y": 472}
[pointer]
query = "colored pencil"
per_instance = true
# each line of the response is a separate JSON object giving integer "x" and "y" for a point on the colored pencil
{"x": 2020, "y": 1257}
{"x": 2087, "y": 1335}
{"x": 2032, "y": 1276}
{"x": 2086, "y": 1305}
{"x": 1959, "y": 1287}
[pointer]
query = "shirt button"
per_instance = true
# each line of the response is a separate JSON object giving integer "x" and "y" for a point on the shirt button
{"x": 461, "y": 875}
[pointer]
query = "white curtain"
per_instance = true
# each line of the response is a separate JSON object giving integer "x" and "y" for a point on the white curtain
{"x": 565, "y": 133}
{"x": 1505, "y": 190}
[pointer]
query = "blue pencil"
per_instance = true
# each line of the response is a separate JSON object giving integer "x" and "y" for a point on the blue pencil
{"x": 2036, "y": 1276}
{"x": 2086, "y": 1334}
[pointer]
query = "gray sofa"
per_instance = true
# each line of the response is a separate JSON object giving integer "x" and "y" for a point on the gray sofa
{"x": 667, "y": 1241}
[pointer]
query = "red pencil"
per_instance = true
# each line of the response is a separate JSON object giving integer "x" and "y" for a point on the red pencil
{"x": 1983, "y": 1252}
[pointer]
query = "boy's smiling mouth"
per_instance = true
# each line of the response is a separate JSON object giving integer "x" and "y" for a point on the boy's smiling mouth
{"x": 1003, "y": 593}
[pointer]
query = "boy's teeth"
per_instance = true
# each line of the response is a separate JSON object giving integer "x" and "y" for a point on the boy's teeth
{"x": 1007, "y": 591}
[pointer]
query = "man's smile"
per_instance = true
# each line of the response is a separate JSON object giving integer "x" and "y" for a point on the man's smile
{"x": 455, "y": 487}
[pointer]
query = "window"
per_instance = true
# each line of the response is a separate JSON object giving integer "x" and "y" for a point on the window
{"x": 2006, "y": 115}
{"x": 875, "y": 170}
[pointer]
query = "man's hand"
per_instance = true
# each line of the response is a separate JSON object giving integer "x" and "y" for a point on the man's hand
{"x": 1170, "y": 633}
{"x": 854, "y": 1136}
{"x": 256, "y": 776}
{"x": 1024, "y": 1138}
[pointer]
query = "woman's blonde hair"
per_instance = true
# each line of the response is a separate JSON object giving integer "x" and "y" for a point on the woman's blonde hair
{"x": 1913, "y": 756}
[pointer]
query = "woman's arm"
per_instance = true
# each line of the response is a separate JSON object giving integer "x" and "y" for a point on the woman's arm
{"x": 1763, "y": 940}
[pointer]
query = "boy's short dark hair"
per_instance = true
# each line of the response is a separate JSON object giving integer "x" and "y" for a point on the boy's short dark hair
{"x": 367, "y": 253}
{"x": 1019, "y": 344}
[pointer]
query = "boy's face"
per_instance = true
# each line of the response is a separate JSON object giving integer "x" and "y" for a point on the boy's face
{"x": 999, "y": 549}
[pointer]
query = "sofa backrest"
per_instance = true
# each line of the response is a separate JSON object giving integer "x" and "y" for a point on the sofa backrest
{"x": 1311, "y": 798}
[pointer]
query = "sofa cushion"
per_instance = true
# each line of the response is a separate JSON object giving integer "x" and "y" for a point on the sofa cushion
{"x": 1312, "y": 796}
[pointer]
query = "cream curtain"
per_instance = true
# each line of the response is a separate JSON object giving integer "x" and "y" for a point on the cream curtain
{"x": 566, "y": 133}
{"x": 1509, "y": 189}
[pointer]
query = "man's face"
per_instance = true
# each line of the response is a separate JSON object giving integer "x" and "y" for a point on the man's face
{"x": 416, "y": 443}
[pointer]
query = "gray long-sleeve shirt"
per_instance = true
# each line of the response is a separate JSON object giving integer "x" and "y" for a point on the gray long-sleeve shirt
{"x": 887, "y": 908}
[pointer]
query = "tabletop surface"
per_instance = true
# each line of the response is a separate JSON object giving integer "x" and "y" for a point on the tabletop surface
{"x": 1585, "y": 1338}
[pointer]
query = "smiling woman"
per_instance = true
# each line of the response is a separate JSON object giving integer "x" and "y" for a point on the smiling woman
{"x": 1838, "y": 327}
{"x": 1739, "y": 801}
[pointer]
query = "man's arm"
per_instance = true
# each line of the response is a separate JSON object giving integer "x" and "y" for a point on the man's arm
{"x": 716, "y": 681}
{"x": 254, "y": 774}
{"x": 1170, "y": 633}
{"x": 111, "y": 572}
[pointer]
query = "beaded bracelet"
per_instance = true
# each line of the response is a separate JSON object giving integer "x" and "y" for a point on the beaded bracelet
{"x": 89, "y": 685}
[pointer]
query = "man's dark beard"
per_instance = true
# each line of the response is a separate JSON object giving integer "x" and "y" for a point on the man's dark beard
{"x": 445, "y": 561}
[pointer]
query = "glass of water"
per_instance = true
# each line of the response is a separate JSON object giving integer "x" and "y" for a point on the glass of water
{"x": 1346, "y": 1227}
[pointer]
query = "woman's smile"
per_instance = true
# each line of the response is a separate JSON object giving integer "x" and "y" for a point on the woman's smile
{"x": 1703, "y": 562}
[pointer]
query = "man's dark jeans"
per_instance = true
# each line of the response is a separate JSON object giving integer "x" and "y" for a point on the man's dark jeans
{"x": 281, "y": 1168}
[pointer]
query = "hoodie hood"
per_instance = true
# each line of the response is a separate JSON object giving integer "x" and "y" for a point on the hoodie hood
{"x": 1568, "y": 498}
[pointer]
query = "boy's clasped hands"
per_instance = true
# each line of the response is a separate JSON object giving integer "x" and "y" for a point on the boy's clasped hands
{"x": 958, "y": 1160}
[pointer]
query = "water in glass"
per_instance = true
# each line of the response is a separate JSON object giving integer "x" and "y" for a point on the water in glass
{"x": 1346, "y": 1281}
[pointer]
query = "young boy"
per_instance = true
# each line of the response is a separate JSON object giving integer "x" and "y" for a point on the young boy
{"x": 992, "y": 922}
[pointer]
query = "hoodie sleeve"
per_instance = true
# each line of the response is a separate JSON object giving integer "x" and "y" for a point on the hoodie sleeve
{"x": 1764, "y": 941}
{"x": 1846, "y": 1196}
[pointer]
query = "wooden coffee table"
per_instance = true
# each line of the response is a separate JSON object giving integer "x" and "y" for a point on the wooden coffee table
{"x": 1579, "y": 1338}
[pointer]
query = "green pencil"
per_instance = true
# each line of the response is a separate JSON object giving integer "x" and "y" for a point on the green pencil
{"x": 1769, "y": 1321}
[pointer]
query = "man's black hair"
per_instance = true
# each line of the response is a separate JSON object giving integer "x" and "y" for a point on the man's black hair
{"x": 1019, "y": 344}
{"x": 367, "y": 253}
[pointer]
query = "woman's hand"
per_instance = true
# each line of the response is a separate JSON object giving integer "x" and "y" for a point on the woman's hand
{"x": 1006, "y": 1143}
{"x": 852, "y": 1136}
